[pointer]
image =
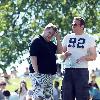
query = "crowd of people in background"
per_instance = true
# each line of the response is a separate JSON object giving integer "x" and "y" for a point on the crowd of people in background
{"x": 23, "y": 93}
{"x": 19, "y": 94}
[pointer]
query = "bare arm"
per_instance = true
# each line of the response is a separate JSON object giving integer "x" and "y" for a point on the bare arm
{"x": 64, "y": 49}
{"x": 34, "y": 63}
{"x": 65, "y": 54}
{"x": 59, "y": 45}
{"x": 90, "y": 57}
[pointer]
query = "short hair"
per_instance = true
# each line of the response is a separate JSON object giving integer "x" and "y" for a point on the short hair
{"x": 82, "y": 22}
{"x": 50, "y": 25}
{"x": 93, "y": 75}
{"x": 31, "y": 70}
{"x": 6, "y": 93}
{"x": 56, "y": 83}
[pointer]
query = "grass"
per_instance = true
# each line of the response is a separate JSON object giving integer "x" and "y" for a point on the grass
{"x": 98, "y": 81}
{"x": 15, "y": 83}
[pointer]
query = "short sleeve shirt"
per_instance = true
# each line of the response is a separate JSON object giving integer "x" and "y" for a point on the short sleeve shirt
{"x": 78, "y": 46}
{"x": 45, "y": 53}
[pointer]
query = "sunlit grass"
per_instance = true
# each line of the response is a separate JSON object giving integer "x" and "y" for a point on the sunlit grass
{"x": 98, "y": 81}
{"x": 15, "y": 83}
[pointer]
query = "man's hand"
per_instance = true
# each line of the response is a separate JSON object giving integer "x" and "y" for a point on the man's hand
{"x": 59, "y": 45}
{"x": 64, "y": 55}
{"x": 67, "y": 54}
{"x": 81, "y": 59}
{"x": 57, "y": 35}
{"x": 36, "y": 72}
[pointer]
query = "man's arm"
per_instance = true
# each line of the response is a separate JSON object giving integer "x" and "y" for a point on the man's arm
{"x": 34, "y": 63}
{"x": 65, "y": 54}
{"x": 64, "y": 49}
{"x": 90, "y": 57}
{"x": 92, "y": 54}
{"x": 59, "y": 45}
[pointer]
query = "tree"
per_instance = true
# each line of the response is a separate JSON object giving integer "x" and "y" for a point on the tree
{"x": 20, "y": 20}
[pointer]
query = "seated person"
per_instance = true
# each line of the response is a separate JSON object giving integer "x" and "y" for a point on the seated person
{"x": 2, "y": 88}
{"x": 6, "y": 94}
{"x": 94, "y": 89}
{"x": 31, "y": 70}
{"x": 56, "y": 91}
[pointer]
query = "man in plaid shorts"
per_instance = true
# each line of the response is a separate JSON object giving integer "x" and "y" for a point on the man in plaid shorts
{"x": 43, "y": 59}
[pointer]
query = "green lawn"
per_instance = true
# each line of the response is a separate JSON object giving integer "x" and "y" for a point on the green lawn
{"x": 98, "y": 81}
{"x": 14, "y": 83}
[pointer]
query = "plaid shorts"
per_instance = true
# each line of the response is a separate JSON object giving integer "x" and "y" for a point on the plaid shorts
{"x": 42, "y": 86}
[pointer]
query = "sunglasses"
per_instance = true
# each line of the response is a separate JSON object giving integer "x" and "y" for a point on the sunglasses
{"x": 54, "y": 28}
{"x": 2, "y": 84}
{"x": 74, "y": 24}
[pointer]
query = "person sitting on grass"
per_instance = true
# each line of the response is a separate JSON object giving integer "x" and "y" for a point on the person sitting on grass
{"x": 6, "y": 94}
{"x": 2, "y": 88}
{"x": 23, "y": 90}
{"x": 56, "y": 91}
{"x": 94, "y": 89}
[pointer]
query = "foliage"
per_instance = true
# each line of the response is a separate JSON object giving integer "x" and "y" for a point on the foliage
{"x": 20, "y": 20}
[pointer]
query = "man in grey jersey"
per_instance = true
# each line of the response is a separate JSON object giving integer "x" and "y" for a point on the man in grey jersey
{"x": 82, "y": 48}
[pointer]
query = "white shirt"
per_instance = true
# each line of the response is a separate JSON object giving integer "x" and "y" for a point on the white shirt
{"x": 78, "y": 46}
{"x": 23, "y": 94}
{"x": 14, "y": 96}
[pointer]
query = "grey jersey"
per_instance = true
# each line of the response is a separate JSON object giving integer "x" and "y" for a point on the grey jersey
{"x": 78, "y": 46}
